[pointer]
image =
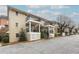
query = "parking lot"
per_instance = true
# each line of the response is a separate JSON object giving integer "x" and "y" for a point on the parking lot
{"x": 58, "y": 45}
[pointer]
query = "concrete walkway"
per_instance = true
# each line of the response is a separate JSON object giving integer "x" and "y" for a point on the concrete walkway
{"x": 59, "y": 45}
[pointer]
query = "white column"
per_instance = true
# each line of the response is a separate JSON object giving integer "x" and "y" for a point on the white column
{"x": 39, "y": 27}
{"x": 29, "y": 26}
{"x": 53, "y": 30}
{"x": 49, "y": 31}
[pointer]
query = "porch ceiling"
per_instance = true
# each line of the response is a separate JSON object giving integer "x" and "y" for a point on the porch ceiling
{"x": 49, "y": 26}
{"x": 33, "y": 21}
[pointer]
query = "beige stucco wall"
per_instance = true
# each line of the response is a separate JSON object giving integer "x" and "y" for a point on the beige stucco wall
{"x": 13, "y": 19}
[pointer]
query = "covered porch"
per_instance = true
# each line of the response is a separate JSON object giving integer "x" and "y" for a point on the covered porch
{"x": 47, "y": 31}
{"x": 33, "y": 30}
{"x": 51, "y": 30}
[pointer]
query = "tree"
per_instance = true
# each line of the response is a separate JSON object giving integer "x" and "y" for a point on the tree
{"x": 70, "y": 29}
{"x": 77, "y": 28}
{"x": 64, "y": 22}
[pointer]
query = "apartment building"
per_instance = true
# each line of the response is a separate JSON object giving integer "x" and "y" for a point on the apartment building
{"x": 33, "y": 26}
{"x": 3, "y": 21}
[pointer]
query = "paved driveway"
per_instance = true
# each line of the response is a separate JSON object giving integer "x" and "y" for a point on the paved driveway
{"x": 59, "y": 45}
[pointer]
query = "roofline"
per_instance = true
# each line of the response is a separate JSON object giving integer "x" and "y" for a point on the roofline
{"x": 16, "y": 9}
{"x": 26, "y": 13}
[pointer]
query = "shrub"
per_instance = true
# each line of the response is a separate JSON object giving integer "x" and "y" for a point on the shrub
{"x": 0, "y": 38}
{"x": 5, "y": 38}
{"x": 22, "y": 36}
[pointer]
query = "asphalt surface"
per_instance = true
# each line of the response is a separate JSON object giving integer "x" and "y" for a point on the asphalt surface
{"x": 58, "y": 45}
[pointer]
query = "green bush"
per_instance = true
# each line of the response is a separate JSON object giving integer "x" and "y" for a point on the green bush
{"x": 57, "y": 34}
{"x": 0, "y": 38}
{"x": 5, "y": 38}
{"x": 22, "y": 36}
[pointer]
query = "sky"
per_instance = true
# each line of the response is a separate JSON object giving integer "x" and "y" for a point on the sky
{"x": 51, "y": 12}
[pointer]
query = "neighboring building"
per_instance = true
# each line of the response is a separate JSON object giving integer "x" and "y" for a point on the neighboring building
{"x": 3, "y": 21}
{"x": 33, "y": 25}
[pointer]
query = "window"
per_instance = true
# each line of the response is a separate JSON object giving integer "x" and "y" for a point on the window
{"x": 6, "y": 26}
{"x": 17, "y": 34}
{"x": 17, "y": 13}
{"x": 16, "y": 24}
